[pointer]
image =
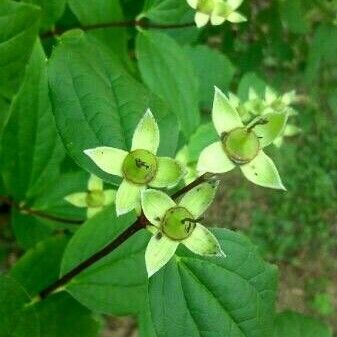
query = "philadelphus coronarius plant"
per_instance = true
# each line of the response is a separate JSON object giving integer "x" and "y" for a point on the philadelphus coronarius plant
{"x": 174, "y": 223}
{"x": 242, "y": 145}
{"x": 94, "y": 199}
{"x": 216, "y": 11}
{"x": 140, "y": 167}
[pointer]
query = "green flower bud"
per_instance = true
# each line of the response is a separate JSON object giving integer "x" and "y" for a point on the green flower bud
{"x": 178, "y": 223}
{"x": 241, "y": 145}
{"x": 95, "y": 198}
{"x": 140, "y": 167}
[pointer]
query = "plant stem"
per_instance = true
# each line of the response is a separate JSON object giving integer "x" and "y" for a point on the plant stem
{"x": 130, "y": 23}
{"x": 26, "y": 210}
{"x": 139, "y": 224}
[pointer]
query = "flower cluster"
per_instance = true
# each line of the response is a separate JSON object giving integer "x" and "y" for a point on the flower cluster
{"x": 216, "y": 11}
{"x": 174, "y": 222}
{"x": 94, "y": 199}
{"x": 269, "y": 102}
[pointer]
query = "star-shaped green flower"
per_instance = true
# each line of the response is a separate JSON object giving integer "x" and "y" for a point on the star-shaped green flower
{"x": 218, "y": 11}
{"x": 242, "y": 145}
{"x": 140, "y": 167}
{"x": 94, "y": 199}
{"x": 178, "y": 223}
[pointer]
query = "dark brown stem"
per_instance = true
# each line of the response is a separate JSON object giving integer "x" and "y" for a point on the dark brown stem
{"x": 134, "y": 228}
{"x": 130, "y": 23}
{"x": 139, "y": 224}
{"x": 26, "y": 210}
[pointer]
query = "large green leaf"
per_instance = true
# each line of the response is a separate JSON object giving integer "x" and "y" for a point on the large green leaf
{"x": 213, "y": 69}
{"x": 322, "y": 49}
{"x": 293, "y": 15}
{"x": 53, "y": 202}
{"x": 19, "y": 24}
{"x": 61, "y": 316}
{"x": 16, "y": 319}
{"x": 292, "y": 324}
{"x": 203, "y": 136}
{"x": 40, "y": 266}
{"x": 172, "y": 12}
{"x": 117, "y": 283}
{"x": 51, "y": 10}
{"x": 168, "y": 72}
{"x": 232, "y": 296}
{"x": 29, "y": 230}
{"x": 4, "y": 112}
{"x": 90, "y": 12}
{"x": 31, "y": 149}
{"x": 97, "y": 103}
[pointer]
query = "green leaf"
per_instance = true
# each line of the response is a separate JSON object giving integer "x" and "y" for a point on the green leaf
{"x": 172, "y": 12}
{"x": 29, "y": 230}
{"x": 203, "y": 136}
{"x": 232, "y": 296}
{"x": 323, "y": 48}
{"x": 4, "y": 112}
{"x": 18, "y": 31}
{"x": 167, "y": 71}
{"x": 116, "y": 284}
{"x": 292, "y": 324}
{"x": 253, "y": 81}
{"x": 90, "y": 12}
{"x": 51, "y": 11}
{"x": 16, "y": 319}
{"x": 293, "y": 16}
{"x": 61, "y": 316}
{"x": 31, "y": 149}
{"x": 98, "y": 103}
{"x": 40, "y": 266}
{"x": 213, "y": 69}
{"x": 53, "y": 202}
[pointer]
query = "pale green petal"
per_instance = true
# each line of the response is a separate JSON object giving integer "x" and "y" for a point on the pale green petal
{"x": 127, "y": 197}
{"x": 291, "y": 130}
{"x": 77, "y": 199}
{"x": 198, "y": 199}
{"x": 169, "y": 173}
{"x": 203, "y": 242}
{"x": 217, "y": 20}
{"x": 234, "y": 4}
{"x": 270, "y": 95}
{"x": 213, "y": 159}
{"x": 155, "y": 204}
{"x": 110, "y": 197}
{"x": 146, "y": 135}
{"x": 95, "y": 183}
{"x": 159, "y": 251}
{"x": 274, "y": 126}
{"x": 262, "y": 171}
{"x": 225, "y": 116}
{"x": 278, "y": 141}
{"x": 222, "y": 9}
{"x": 108, "y": 159}
{"x": 182, "y": 155}
{"x": 289, "y": 97}
{"x": 236, "y": 17}
{"x": 93, "y": 211}
{"x": 193, "y": 3}
{"x": 252, "y": 94}
{"x": 234, "y": 100}
{"x": 201, "y": 19}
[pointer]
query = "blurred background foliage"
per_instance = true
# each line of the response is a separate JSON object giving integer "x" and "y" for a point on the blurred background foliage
{"x": 287, "y": 45}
